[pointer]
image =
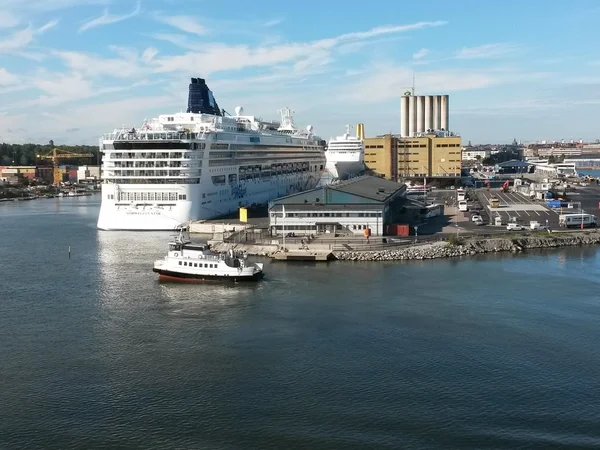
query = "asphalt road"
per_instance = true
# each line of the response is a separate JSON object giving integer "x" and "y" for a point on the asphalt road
{"x": 519, "y": 207}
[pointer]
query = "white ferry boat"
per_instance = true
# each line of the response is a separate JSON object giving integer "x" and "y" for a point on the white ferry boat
{"x": 345, "y": 156}
{"x": 202, "y": 164}
{"x": 188, "y": 262}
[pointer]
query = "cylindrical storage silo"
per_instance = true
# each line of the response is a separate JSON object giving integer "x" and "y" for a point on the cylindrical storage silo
{"x": 445, "y": 111}
{"x": 420, "y": 114}
{"x": 428, "y": 112}
{"x": 437, "y": 116}
{"x": 412, "y": 115}
{"x": 404, "y": 116}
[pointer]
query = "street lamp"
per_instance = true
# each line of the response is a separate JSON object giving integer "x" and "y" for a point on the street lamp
{"x": 416, "y": 233}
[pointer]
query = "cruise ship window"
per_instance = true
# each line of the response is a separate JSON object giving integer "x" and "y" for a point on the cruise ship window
{"x": 179, "y": 262}
{"x": 195, "y": 264}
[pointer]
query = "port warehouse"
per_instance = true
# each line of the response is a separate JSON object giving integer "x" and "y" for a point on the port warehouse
{"x": 435, "y": 155}
{"x": 355, "y": 206}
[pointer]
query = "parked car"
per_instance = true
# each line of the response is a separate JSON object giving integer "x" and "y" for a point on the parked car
{"x": 515, "y": 227}
{"x": 476, "y": 218}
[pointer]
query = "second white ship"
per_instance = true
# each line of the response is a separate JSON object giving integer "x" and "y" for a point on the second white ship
{"x": 202, "y": 164}
{"x": 345, "y": 156}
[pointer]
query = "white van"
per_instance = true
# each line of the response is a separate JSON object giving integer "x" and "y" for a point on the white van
{"x": 461, "y": 195}
{"x": 463, "y": 206}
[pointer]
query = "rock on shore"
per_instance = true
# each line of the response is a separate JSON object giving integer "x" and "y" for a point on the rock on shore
{"x": 472, "y": 246}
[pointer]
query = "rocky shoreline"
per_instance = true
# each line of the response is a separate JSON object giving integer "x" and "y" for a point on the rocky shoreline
{"x": 473, "y": 246}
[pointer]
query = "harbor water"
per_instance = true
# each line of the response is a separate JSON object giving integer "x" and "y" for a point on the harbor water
{"x": 489, "y": 352}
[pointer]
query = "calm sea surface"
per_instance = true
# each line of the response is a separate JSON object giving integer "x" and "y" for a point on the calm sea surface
{"x": 489, "y": 352}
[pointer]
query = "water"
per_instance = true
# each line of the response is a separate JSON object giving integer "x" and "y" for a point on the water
{"x": 489, "y": 352}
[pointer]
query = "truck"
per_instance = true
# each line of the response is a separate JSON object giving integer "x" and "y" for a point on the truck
{"x": 582, "y": 220}
{"x": 463, "y": 206}
{"x": 534, "y": 225}
{"x": 461, "y": 195}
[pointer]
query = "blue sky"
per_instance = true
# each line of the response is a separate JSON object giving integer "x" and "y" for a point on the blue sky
{"x": 73, "y": 69}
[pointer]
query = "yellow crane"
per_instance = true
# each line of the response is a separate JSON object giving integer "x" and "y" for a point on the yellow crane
{"x": 55, "y": 157}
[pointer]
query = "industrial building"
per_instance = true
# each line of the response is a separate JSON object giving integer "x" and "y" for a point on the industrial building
{"x": 425, "y": 147}
{"x": 349, "y": 207}
{"x": 514, "y": 167}
{"x": 434, "y": 154}
{"x": 423, "y": 113}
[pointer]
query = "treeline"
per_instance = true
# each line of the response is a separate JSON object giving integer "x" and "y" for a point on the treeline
{"x": 500, "y": 157}
{"x": 26, "y": 154}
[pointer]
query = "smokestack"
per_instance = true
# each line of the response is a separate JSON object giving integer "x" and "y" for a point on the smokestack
{"x": 360, "y": 131}
{"x": 437, "y": 119}
{"x": 201, "y": 99}
{"x": 412, "y": 116}
{"x": 445, "y": 112}
{"x": 420, "y": 114}
{"x": 428, "y": 112}
{"x": 404, "y": 116}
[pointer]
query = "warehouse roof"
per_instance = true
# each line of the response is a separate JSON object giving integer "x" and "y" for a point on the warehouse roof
{"x": 367, "y": 186}
{"x": 364, "y": 189}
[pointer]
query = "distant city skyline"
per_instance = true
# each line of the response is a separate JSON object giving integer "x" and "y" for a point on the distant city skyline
{"x": 71, "y": 70}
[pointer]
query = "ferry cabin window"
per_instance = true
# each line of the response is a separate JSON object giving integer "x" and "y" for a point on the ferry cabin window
{"x": 182, "y": 196}
{"x": 179, "y": 262}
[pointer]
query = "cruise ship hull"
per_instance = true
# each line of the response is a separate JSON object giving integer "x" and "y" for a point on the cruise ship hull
{"x": 192, "y": 202}
{"x": 342, "y": 170}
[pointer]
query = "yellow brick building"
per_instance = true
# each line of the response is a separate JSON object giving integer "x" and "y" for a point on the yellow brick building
{"x": 434, "y": 155}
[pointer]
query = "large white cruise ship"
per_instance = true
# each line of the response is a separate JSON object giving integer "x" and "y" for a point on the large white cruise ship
{"x": 345, "y": 156}
{"x": 202, "y": 164}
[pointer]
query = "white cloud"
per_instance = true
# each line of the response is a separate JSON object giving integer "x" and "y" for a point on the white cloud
{"x": 388, "y": 82}
{"x": 421, "y": 54}
{"x": 184, "y": 23}
{"x": 272, "y": 23}
{"x": 47, "y": 26}
{"x": 208, "y": 58}
{"x": 107, "y": 19}
{"x": 149, "y": 54}
{"x": 94, "y": 66}
{"x": 7, "y": 20}
{"x": 22, "y": 38}
{"x": 497, "y": 50}
{"x": 7, "y": 78}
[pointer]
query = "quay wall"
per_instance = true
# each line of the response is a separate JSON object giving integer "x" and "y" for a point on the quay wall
{"x": 436, "y": 250}
{"x": 473, "y": 246}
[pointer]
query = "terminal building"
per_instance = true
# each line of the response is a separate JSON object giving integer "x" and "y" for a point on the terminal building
{"x": 349, "y": 207}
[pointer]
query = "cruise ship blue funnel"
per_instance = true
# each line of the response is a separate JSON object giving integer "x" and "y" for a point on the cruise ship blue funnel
{"x": 201, "y": 99}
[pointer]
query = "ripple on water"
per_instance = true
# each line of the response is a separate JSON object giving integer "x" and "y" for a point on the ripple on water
{"x": 489, "y": 352}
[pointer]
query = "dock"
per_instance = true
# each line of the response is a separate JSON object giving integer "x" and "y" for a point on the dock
{"x": 303, "y": 255}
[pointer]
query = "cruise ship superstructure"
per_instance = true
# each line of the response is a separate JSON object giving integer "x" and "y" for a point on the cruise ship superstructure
{"x": 202, "y": 164}
{"x": 345, "y": 156}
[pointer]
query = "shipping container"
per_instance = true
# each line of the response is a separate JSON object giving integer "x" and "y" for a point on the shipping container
{"x": 402, "y": 230}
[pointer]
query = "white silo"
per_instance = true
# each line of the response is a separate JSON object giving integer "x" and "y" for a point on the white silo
{"x": 437, "y": 120}
{"x": 445, "y": 112}
{"x": 404, "y": 116}
{"x": 428, "y": 112}
{"x": 420, "y": 114}
{"x": 412, "y": 116}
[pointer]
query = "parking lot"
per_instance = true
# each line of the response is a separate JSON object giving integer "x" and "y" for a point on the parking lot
{"x": 516, "y": 206}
